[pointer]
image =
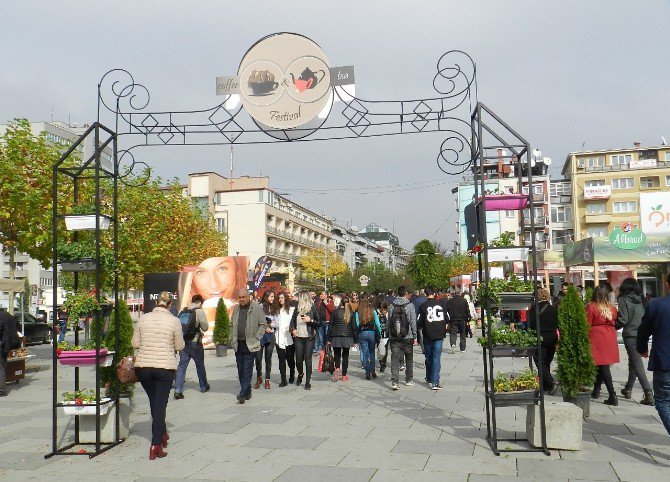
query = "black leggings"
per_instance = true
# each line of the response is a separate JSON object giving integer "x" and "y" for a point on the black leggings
{"x": 303, "y": 353}
{"x": 286, "y": 355}
{"x": 604, "y": 375}
{"x": 342, "y": 353}
{"x": 157, "y": 382}
{"x": 268, "y": 349}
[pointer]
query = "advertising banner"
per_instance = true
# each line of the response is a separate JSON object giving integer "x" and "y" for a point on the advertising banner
{"x": 655, "y": 213}
{"x": 154, "y": 283}
{"x": 260, "y": 270}
{"x": 655, "y": 249}
{"x": 468, "y": 216}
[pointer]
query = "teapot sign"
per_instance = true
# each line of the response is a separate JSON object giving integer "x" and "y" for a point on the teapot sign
{"x": 284, "y": 81}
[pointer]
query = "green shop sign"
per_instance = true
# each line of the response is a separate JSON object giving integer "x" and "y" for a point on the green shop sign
{"x": 627, "y": 237}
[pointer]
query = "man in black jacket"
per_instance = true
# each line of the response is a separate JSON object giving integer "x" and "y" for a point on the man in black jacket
{"x": 432, "y": 319}
{"x": 459, "y": 315}
{"x": 7, "y": 322}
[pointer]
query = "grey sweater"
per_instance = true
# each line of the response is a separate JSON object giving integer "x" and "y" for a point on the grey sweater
{"x": 630, "y": 314}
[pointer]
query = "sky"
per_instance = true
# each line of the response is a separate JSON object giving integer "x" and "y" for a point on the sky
{"x": 568, "y": 76}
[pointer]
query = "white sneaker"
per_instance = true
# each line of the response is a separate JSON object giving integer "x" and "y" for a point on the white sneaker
{"x": 394, "y": 386}
{"x": 409, "y": 383}
{"x": 463, "y": 351}
{"x": 453, "y": 349}
{"x": 436, "y": 387}
{"x": 402, "y": 368}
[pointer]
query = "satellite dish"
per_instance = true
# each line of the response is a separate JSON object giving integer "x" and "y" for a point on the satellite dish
{"x": 532, "y": 163}
{"x": 547, "y": 161}
{"x": 537, "y": 152}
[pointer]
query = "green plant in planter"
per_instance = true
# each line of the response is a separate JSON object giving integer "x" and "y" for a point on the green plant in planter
{"x": 526, "y": 380}
{"x": 124, "y": 325}
{"x": 80, "y": 303}
{"x": 512, "y": 283}
{"x": 86, "y": 249}
{"x": 221, "y": 333}
{"x": 86, "y": 395}
{"x": 508, "y": 337}
{"x": 576, "y": 370}
{"x": 506, "y": 239}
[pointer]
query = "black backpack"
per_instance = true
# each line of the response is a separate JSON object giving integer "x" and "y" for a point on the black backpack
{"x": 399, "y": 321}
{"x": 189, "y": 323}
{"x": 10, "y": 336}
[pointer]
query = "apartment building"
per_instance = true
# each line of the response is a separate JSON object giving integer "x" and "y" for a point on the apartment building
{"x": 606, "y": 186}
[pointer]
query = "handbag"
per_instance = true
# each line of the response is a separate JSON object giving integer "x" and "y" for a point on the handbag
{"x": 125, "y": 370}
{"x": 266, "y": 339}
{"x": 328, "y": 361}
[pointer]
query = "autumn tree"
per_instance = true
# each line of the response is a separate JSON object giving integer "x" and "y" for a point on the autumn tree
{"x": 427, "y": 267}
{"x": 319, "y": 262}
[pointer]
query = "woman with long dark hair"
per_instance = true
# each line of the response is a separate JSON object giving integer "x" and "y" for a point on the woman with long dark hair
{"x": 341, "y": 336}
{"x": 268, "y": 340}
{"x": 631, "y": 310}
{"x": 304, "y": 323}
{"x": 602, "y": 315}
{"x": 157, "y": 337}
{"x": 285, "y": 348}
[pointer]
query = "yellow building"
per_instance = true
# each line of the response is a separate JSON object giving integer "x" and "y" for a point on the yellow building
{"x": 606, "y": 186}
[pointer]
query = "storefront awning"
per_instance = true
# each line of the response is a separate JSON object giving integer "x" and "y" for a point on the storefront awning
{"x": 648, "y": 249}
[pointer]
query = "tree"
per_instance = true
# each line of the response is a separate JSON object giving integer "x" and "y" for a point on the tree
{"x": 576, "y": 369}
{"x": 317, "y": 262}
{"x": 427, "y": 267}
{"x": 26, "y": 163}
{"x": 380, "y": 278}
{"x": 221, "y": 332}
{"x": 25, "y": 301}
{"x": 124, "y": 325}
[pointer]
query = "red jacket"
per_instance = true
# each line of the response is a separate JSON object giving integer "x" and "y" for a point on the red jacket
{"x": 604, "y": 345}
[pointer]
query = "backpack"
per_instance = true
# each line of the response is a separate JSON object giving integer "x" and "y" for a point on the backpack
{"x": 399, "y": 322}
{"x": 189, "y": 323}
{"x": 10, "y": 336}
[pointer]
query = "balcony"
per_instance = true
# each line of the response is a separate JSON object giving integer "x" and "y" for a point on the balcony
{"x": 293, "y": 237}
{"x": 18, "y": 274}
{"x": 540, "y": 221}
{"x": 18, "y": 258}
{"x": 283, "y": 255}
{"x": 599, "y": 218}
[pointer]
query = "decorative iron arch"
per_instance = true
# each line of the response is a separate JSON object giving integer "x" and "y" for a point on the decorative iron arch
{"x": 348, "y": 117}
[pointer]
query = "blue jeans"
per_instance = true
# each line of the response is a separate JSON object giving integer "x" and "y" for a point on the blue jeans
{"x": 662, "y": 396}
{"x": 197, "y": 353}
{"x": 433, "y": 352}
{"x": 321, "y": 337}
{"x": 366, "y": 340}
{"x": 245, "y": 367}
{"x": 62, "y": 324}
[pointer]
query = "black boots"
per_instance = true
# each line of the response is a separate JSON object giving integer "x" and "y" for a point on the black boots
{"x": 612, "y": 400}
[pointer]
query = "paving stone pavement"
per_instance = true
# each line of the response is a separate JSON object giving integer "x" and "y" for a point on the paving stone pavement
{"x": 359, "y": 430}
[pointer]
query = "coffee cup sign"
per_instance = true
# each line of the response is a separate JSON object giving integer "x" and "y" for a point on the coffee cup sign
{"x": 364, "y": 280}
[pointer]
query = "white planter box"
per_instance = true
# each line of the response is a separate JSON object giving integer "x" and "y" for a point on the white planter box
{"x": 107, "y": 422}
{"x": 507, "y": 254}
{"x": 80, "y": 222}
{"x": 73, "y": 409}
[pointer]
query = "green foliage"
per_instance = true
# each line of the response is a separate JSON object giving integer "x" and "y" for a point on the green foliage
{"x": 124, "y": 325}
{"x": 86, "y": 395}
{"x": 80, "y": 303}
{"x": 506, "y": 239}
{"x": 26, "y": 296}
{"x": 221, "y": 333}
{"x": 511, "y": 284}
{"x": 506, "y": 336}
{"x": 527, "y": 380}
{"x": 576, "y": 369}
{"x": 427, "y": 267}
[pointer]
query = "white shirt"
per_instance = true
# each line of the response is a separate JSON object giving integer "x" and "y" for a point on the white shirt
{"x": 282, "y": 333}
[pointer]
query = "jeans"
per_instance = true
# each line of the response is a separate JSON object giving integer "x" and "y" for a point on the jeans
{"x": 366, "y": 341}
{"x": 157, "y": 382}
{"x": 604, "y": 375}
{"x": 267, "y": 350}
{"x": 548, "y": 348}
{"x": 433, "y": 351}
{"x": 343, "y": 355}
{"x": 662, "y": 396}
{"x": 457, "y": 327}
{"x": 321, "y": 337}
{"x": 635, "y": 366}
{"x": 245, "y": 367}
{"x": 303, "y": 349}
{"x": 62, "y": 324}
{"x": 3, "y": 378}
{"x": 195, "y": 351}
{"x": 286, "y": 355}
{"x": 400, "y": 348}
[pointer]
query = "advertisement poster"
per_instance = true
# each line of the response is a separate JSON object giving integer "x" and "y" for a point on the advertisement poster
{"x": 468, "y": 217}
{"x": 655, "y": 213}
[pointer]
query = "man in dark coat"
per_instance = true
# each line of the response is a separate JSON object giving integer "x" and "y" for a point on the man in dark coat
{"x": 459, "y": 315}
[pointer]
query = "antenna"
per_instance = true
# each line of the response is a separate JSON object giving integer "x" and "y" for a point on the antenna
{"x": 663, "y": 141}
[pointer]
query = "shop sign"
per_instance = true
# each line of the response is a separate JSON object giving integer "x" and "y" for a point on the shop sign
{"x": 655, "y": 213}
{"x": 627, "y": 237}
{"x": 642, "y": 163}
{"x": 597, "y": 192}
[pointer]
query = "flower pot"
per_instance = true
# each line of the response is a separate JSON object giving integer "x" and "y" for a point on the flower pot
{"x": 70, "y": 408}
{"x": 513, "y": 351}
{"x": 523, "y": 397}
{"x": 582, "y": 400}
{"x": 507, "y": 254}
{"x": 81, "y": 264}
{"x": 107, "y": 423}
{"x": 514, "y": 301}
{"x": 505, "y": 202}
{"x": 221, "y": 350}
{"x": 85, "y": 358}
{"x": 81, "y": 222}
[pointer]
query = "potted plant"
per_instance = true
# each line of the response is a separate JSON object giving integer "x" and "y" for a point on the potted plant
{"x": 510, "y": 293}
{"x": 124, "y": 325}
{"x": 576, "y": 369}
{"x": 80, "y": 256}
{"x": 82, "y": 355}
{"x": 221, "y": 333}
{"x": 499, "y": 201}
{"x": 506, "y": 342}
{"x": 513, "y": 389}
{"x": 83, "y": 218}
{"x": 502, "y": 249}
{"x": 83, "y": 402}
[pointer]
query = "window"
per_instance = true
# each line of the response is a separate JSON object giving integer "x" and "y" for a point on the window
{"x": 560, "y": 236}
{"x": 594, "y": 183}
{"x": 625, "y": 207}
{"x": 537, "y": 189}
{"x": 623, "y": 183}
{"x": 512, "y": 214}
{"x": 667, "y": 180}
{"x": 646, "y": 182}
{"x": 667, "y": 156}
{"x": 596, "y": 208}
{"x": 561, "y": 214}
{"x": 596, "y": 231}
{"x": 557, "y": 189}
{"x": 621, "y": 159}
{"x": 594, "y": 161}
{"x": 221, "y": 225}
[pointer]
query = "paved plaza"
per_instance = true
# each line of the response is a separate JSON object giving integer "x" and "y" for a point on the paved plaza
{"x": 359, "y": 430}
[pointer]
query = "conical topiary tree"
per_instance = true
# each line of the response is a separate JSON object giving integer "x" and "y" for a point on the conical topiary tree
{"x": 125, "y": 326}
{"x": 576, "y": 369}
{"x": 221, "y": 333}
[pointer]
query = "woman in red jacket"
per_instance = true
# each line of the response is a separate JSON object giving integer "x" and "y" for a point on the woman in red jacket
{"x": 601, "y": 315}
